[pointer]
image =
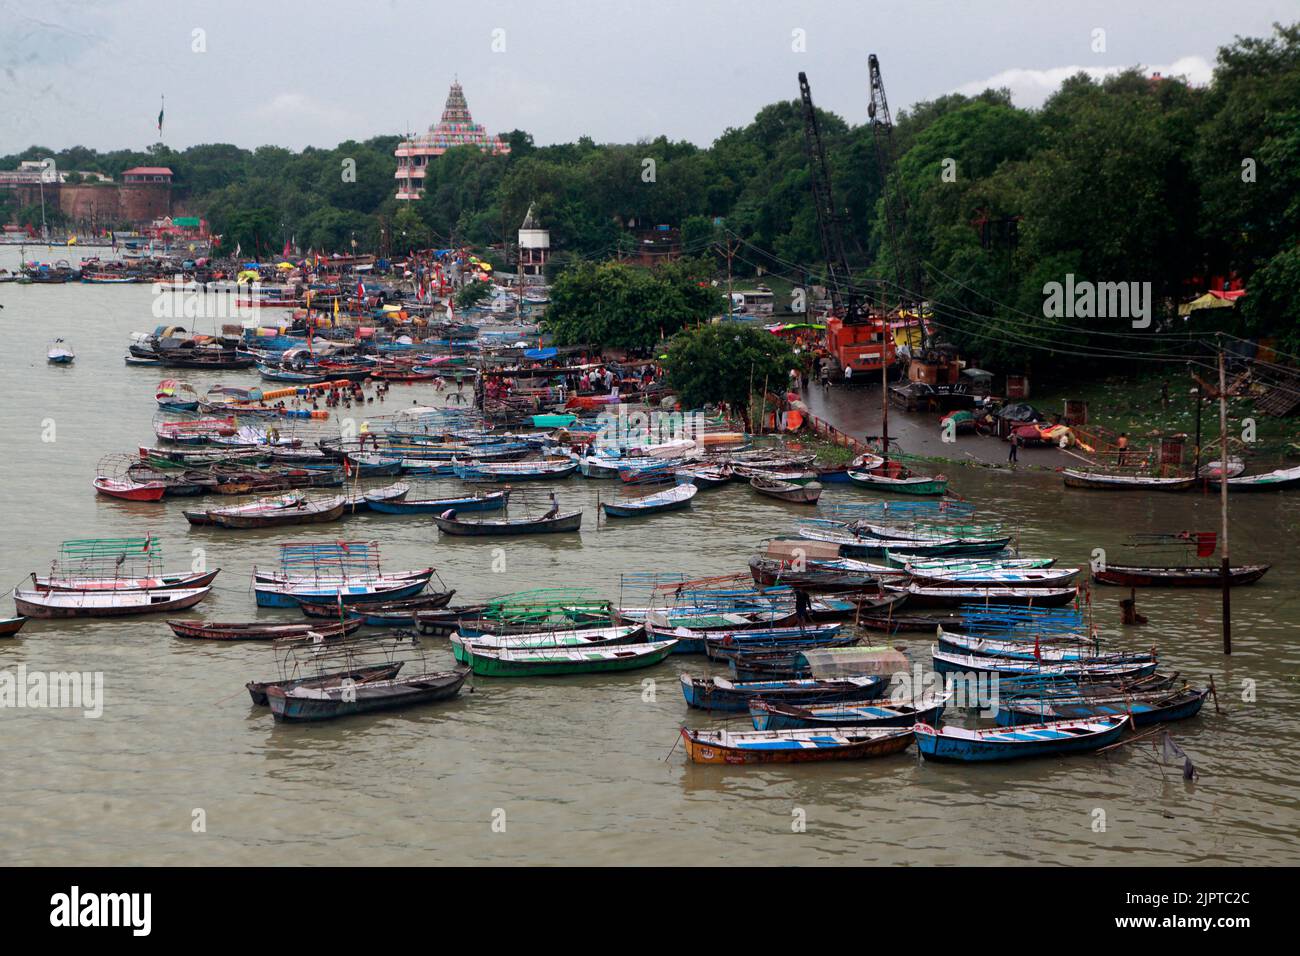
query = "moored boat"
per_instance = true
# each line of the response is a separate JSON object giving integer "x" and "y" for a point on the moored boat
{"x": 346, "y": 698}
{"x": 718, "y": 693}
{"x": 805, "y": 494}
{"x": 670, "y": 499}
{"x": 1029, "y": 740}
{"x": 1102, "y": 481}
{"x": 129, "y": 490}
{"x": 61, "y": 604}
{"x": 556, "y": 661}
{"x": 1188, "y": 576}
{"x": 793, "y": 746}
{"x": 258, "y": 631}
{"x": 771, "y": 715}
{"x": 560, "y": 523}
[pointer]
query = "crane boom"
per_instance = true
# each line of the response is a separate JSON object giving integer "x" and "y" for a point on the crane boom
{"x": 906, "y": 274}
{"x": 829, "y": 221}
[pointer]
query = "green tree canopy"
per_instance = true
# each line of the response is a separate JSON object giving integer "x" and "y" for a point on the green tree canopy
{"x": 726, "y": 362}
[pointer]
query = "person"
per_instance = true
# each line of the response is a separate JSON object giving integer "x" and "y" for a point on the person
{"x": 1013, "y": 456}
{"x": 848, "y": 374}
{"x": 801, "y": 606}
{"x": 1164, "y": 394}
{"x": 1122, "y": 445}
{"x": 554, "y": 509}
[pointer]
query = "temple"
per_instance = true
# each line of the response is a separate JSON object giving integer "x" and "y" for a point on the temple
{"x": 456, "y": 128}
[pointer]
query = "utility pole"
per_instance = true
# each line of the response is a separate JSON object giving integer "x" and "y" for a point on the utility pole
{"x": 1196, "y": 471}
{"x": 730, "y": 304}
{"x": 1223, "y": 499}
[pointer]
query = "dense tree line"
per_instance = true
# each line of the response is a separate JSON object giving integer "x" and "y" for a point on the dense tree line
{"x": 1129, "y": 178}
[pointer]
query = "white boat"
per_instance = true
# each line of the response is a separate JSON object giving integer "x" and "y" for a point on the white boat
{"x": 32, "y": 602}
{"x": 60, "y": 353}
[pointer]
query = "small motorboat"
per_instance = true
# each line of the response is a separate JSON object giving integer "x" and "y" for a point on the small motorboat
{"x": 130, "y": 490}
{"x": 60, "y": 353}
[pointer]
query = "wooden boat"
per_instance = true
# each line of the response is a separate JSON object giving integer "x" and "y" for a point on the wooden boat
{"x": 563, "y": 522}
{"x": 953, "y": 662}
{"x": 1145, "y": 707}
{"x": 275, "y": 514}
{"x": 360, "y": 501}
{"x": 289, "y": 500}
{"x": 348, "y": 591}
{"x": 397, "y": 613}
{"x": 257, "y": 690}
{"x": 598, "y": 466}
{"x": 514, "y": 470}
{"x": 315, "y": 702}
{"x": 718, "y": 693}
{"x": 60, "y": 604}
{"x": 705, "y": 476}
{"x": 1101, "y": 481}
{"x": 217, "y": 359}
{"x": 1030, "y": 740}
{"x": 576, "y": 637}
{"x": 919, "y": 596}
{"x": 771, "y": 572}
{"x": 787, "y": 490}
{"x": 485, "y": 501}
{"x": 130, "y": 490}
{"x": 670, "y": 499}
{"x": 907, "y": 623}
{"x": 909, "y": 485}
{"x": 793, "y": 746}
{"x": 1049, "y": 651}
{"x": 158, "y": 582}
{"x": 927, "y": 709}
{"x": 1268, "y": 481}
{"x": 1014, "y": 578}
{"x": 445, "y": 621}
{"x": 555, "y": 661}
{"x": 1192, "y": 576}
{"x": 255, "y": 631}
{"x": 9, "y": 626}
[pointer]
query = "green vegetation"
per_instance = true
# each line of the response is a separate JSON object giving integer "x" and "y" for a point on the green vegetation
{"x": 472, "y": 293}
{"x": 727, "y": 362}
{"x": 628, "y": 307}
{"x": 1130, "y": 178}
{"x": 1132, "y": 404}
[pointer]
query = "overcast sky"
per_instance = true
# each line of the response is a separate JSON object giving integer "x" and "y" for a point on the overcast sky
{"x": 91, "y": 72}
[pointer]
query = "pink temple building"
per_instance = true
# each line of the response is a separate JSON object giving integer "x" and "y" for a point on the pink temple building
{"x": 456, "y": 128}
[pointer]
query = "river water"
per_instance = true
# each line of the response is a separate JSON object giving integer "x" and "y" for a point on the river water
{"x": 579, "y": 769}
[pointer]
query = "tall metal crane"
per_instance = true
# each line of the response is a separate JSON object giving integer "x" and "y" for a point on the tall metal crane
{"x": 907, "y": 274}
{"x": 829, "y": 221}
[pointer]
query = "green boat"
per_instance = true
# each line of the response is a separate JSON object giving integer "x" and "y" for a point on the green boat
{"x": 910, "y": 485}
{"x": 553, "y": 421}
{"x": 555, "y": 661}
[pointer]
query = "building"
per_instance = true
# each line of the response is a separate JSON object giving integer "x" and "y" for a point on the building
{"x": 30, "y": 172}
{"x": 534, "y": 246}
{"x": 147, "y": 174}
{"x": 456, "y": 128}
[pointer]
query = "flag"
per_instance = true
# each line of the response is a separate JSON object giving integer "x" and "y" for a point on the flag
{"x": 160, "y": 119}
{"x": 238, "y": 248}
{"x": 285, "y": 254}
{"x": 336, "y": 310}
{"x": 361, "y": 289}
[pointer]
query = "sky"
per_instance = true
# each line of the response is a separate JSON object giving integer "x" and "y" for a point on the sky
{"x": 297, "y": 74}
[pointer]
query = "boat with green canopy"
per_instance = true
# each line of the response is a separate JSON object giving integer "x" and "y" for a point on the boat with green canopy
{"x": 557, "y": 661}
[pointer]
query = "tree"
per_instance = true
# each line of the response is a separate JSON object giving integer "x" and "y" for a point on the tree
{"x": 623, "y": 306}
{"x": 725, "y": 362}
{"x": 472, "y": 293}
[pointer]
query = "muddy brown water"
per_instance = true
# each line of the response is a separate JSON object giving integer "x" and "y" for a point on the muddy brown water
{"x": 579, "y": 769}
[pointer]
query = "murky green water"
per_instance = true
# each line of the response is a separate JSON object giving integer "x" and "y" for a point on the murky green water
{"x": 584, "y": 767}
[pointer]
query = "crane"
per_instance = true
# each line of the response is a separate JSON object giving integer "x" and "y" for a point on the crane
{"x": 906, "y": 274}
{"x": 829, "y": 221}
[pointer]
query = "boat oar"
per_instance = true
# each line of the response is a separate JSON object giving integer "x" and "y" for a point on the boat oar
{"x": 1215, "y": 694}
{"x": 1145, "y": 735}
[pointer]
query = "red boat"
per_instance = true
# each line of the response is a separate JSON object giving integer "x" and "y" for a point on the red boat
{"x": 130, "y": 490}
{"x": 11, "y": 625}
{"x": 1191, "y": 576}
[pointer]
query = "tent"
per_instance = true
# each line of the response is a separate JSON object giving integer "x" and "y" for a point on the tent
{"x": 1212, "y": 300}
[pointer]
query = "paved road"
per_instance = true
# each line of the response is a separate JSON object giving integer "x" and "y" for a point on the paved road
{"x": 855, "y": 410}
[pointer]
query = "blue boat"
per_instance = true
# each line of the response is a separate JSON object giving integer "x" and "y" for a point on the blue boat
{"x": 488, "y": 501}
{"x": 770, "y": 715}
{"x": 351, "y": 592}
{"x": 1145, "y": 707}
{"x": 1030, "y": 740}
{"x": 670, "y": 499}
{"x": 946, "y": 662}
{"x": 718, "y": 693}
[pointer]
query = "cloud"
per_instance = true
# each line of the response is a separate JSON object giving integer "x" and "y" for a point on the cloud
{"x": 1033, "y": 87}
{"x": 301, "y": 108}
